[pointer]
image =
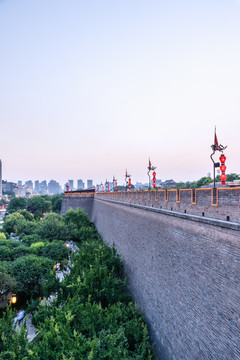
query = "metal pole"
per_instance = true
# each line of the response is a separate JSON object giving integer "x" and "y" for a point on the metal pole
{"x": 148, "y": 180}
{"x": 214, "y": 186}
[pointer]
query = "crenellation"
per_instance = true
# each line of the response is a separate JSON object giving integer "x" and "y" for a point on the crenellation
{"x": 225, "y": 205}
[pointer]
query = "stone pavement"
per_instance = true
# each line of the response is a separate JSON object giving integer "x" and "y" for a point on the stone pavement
{"x": 31, "y": 330}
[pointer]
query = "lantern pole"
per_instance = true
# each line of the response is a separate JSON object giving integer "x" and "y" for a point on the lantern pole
{"x": 215, "y": 147}
{"x": 150, "y": 167}
{"x": 214, "y": 166}
{"x": 127, "y": 177}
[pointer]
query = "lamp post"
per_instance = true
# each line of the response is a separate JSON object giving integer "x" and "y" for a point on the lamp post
{"x": 216, "y": 147}
{"x": 114, "y": 183}
{"x": 128, "y": 180}
{"x": 107, "y": 185}
{"x": 151, "y": 168}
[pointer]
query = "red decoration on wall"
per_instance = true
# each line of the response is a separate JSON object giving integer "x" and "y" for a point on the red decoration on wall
{"x": 223, "y": 168}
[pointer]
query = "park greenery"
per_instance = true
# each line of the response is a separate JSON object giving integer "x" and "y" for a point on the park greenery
{"x": 37, "y": 205}
{"x": 90, "y": 316}
{"x": 204, "y": 181}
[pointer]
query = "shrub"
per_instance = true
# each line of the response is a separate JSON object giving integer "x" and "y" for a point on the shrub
{"x": 30, "y": 239}
{"x": 36, "y": 247}
{"x": 5, "y": 253}
{"x": 2, "y": 236}
{"x": 19, "y": 251}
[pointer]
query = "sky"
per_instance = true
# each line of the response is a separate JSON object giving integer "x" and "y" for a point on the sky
{"x": 89, "y": 89}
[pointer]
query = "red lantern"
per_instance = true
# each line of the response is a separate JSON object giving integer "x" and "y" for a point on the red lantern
{"x": 223, "y": 168}
{"x": 129, "y": 183}
{"x": 154, "y": 179}
{"x": 108, "y": 187}
{"x": 223, "y": 178}
{"x": 116, "y": 186}
{"x": 222, "y": 158}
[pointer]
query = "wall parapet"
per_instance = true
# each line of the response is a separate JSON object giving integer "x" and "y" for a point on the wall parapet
{"x": 222, "y": 204}
{"x": 206, "y": 220}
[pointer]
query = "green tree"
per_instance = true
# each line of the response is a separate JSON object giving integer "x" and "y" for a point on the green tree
{"x": 39, "y": 205}
{"x": 53, "y": 228}
{"x": 12, "y": 223}
{"x": 30, "y": 271}
{"x": 57, "y": 203}
{"x": 17, "y": 224}
{"x": 180, "y": 185}
{"x": 16, "y": 204}
{"x": 55, "y": 250}
{"x": 30, "y": 239}
{"x": 19, "y": 251}
{"x": 76, "y": 217}
{"x": 7, "y": 283}
{"x": 5, "y": 253}
{"x": 27, "y": 215}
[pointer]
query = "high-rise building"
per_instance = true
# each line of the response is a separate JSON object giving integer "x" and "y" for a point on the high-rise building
{"x": 54, "y": 187}
{"x": 29, "y": 183}
{"x": 0, "y": 178}
{"x": 43, "y": 188}
{"x": 80, "y": 184}
{"x": 36, "y": 187}
{"x": 8, "y": 186}
{"x": 89, "y": 184}
{"x": 29, "y": 187}
{"x": 70, "y": 184}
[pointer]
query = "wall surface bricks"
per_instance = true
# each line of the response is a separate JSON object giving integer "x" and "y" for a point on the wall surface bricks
{"x": 183, "y": 272}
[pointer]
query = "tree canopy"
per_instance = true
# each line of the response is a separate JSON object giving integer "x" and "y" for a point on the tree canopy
{"x": 16, "y": 204}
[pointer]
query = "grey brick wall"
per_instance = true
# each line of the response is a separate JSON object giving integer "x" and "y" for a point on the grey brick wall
{"x": 183, "y": 271}
{"x": 196, "y": 202}
{"x": 183, "y": 274}
{"x": 75, "y": 201}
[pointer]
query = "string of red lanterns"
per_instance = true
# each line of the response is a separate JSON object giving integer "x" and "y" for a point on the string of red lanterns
{"x": 223, "y": 168}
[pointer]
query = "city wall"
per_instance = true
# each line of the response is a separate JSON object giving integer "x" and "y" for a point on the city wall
{"x": 183, "y": 269}
{"x": 75, "y": 200}
{"x": 223, "y": 205}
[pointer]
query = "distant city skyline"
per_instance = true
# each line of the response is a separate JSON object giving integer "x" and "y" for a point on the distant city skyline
{"x": 90, "y": 89}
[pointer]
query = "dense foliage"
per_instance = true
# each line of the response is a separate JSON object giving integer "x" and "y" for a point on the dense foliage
{"x": 37, "y": 205}
{"x": 91, "y": 316}
{"x": 204, "y": 181}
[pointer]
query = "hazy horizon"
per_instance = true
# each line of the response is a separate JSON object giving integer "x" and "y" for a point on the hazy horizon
{"x": 90, "y": 89}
